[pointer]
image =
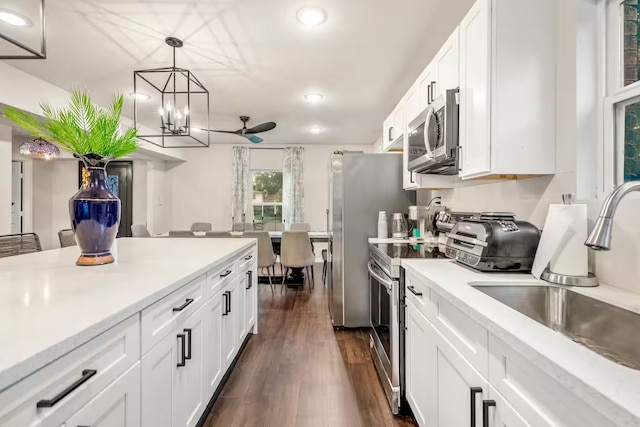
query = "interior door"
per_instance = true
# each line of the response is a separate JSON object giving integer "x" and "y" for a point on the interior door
{"x": 16, "y": 197}
{"x": 120, "y": 182}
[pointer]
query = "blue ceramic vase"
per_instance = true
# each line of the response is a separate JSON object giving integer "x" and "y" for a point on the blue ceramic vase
{"x": 95, "y": 217}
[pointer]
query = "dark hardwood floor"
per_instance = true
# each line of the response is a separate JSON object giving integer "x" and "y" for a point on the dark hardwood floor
{"x": 298, "y": 371}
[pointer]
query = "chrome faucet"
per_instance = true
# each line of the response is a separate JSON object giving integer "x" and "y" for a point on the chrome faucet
{"x": 600, "y": 237}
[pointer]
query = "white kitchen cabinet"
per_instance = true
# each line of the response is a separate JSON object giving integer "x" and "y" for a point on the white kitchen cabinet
{"x": 118, "y": 405}
{"x": 394, "y": 129}
{"x": 172, "y": 376}
{"x": 426, "y": 85}
{"x": 229, "y": 343}
{"x": 447, "y": 65}
{"x": 412, "y": 103}
{"x": 507, "y": 88}
{"x": 189, "y": 399}
{"x": 458, "y": 386}
{"x": 419, "y": 373}
{"x": 239, "y": 307}
{"x": 501, "y": 414}
{"x": 250, "y": 299}
{"x": 158, "y": 371}
{"x": 214, "y": 368}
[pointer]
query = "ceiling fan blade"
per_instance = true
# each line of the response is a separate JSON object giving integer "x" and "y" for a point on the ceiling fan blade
{"x": 254, "y": 139}
{"x": 264, "y": 127}
{"x": 235, "y": 132}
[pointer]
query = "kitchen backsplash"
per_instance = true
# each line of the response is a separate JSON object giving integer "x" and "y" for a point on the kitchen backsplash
{"x": 530, "y": 198}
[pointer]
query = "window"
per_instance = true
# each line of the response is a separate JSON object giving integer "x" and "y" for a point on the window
{"x": 267, "y": 198}
{"x": 622, "y": 98}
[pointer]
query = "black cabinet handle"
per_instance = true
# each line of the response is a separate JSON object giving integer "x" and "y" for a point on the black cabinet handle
{"x": 48, "y": 403}
{"x": 486, "y": 404}
{"x": 416, "y": 293}
{"x": 249, "y": 279}
{"x": 433, "y": 87}
{"x": 474, "y": 391}
{"x": 187, "y": 332}
{"x": 183, "y": 347}
{"x": 248, "y": 257}
{"x": 229, "y": 302}
{"x": 183, "y": 306}
{"x": 226, "y": 273}
{"x": 225, "y": 312}
{"x": 428, "y": 96}
{"x": 390, "y": 133}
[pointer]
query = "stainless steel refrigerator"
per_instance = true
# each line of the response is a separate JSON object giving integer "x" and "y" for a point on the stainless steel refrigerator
{"x": 360, "y": 186}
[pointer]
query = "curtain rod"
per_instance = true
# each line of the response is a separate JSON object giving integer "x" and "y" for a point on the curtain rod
{"x": 266, "y": 148}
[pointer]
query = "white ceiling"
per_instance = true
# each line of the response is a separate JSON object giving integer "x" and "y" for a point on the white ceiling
{"x": 254, "y": 57}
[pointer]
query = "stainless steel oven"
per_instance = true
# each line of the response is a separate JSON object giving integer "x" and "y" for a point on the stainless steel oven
{"x": 385, "y": 328}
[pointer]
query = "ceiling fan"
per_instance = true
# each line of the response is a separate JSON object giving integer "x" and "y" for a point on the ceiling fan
{"x": 249, "y": 133}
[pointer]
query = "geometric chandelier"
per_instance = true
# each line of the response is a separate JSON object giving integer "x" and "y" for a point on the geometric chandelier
{"x": 173, "y": 103}
{"x": 22, "y": 30}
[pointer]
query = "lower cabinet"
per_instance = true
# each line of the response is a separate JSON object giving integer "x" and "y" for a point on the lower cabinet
{"x": 229, "y": 323}
{"x": 118, "y": 405}
{"x": 419, "y": 374}
{"x": 172, "y": 388}
{"x": 250, "y": 299}
{"x": 445, "y": 386}
{"x": 214, "y": 368}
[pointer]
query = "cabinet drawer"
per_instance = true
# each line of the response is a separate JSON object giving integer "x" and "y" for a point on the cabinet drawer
{"x": 466, "y": 335}
{"x": 160, "y": 318}
{"x": 418, "y": 293}
{"x": 247, "y": 259}
{"x": 537, "y": 397}
{"x": 89, "y": 368}
{"x": 219, "y": 277}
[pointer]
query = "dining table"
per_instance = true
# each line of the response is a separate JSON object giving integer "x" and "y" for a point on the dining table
{"x": 297, "y": 274}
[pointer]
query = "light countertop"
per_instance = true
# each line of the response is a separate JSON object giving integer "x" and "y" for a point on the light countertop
{"x": 612, "y": 389}
{"x": 49, "y": 306}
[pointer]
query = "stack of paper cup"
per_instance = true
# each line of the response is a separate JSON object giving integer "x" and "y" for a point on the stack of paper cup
{"x": 561, "y": 245}
{"x": 383, "y": 228}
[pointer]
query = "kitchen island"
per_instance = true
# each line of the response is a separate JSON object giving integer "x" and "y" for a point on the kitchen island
{"x": 146, "y": 340}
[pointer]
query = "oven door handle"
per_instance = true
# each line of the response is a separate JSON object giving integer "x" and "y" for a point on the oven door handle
{"x": 387, "y": 283}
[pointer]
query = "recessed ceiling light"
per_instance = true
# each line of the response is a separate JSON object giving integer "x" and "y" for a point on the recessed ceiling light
{"x": 14, "y": 19}
{"x": 313, "y": 97}
{"x": 315, "y": 130}
{"x": 311, "y": 16}
{"x": 140, "y": 96}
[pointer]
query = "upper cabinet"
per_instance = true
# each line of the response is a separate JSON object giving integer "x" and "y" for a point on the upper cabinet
{"x": 393, "y": 129}
{"x": 507, "y": 88}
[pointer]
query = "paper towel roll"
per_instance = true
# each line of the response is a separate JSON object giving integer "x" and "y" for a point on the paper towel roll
{"x": 562, "y": 242}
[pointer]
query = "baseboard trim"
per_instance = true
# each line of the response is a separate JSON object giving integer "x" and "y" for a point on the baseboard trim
{"x": 205, "y": 414}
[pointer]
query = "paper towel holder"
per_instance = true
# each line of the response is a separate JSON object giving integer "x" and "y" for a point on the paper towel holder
{"x": 588, "y": 281}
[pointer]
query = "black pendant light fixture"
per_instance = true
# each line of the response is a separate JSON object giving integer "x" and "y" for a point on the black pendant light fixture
{"x": 22, "y": 32}
{"x": 172, "y": 103}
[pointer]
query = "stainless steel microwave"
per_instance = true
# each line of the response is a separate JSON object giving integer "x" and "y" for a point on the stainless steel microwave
{"x": 433, "y": 137}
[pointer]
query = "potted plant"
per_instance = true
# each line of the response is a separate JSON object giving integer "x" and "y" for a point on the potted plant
{"x": 92, "y": 134}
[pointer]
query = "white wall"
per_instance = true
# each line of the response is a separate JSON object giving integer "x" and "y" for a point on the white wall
{"x": 201, "y": 187}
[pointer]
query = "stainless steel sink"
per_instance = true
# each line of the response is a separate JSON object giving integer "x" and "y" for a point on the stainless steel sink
{"x": 604, "y": 328}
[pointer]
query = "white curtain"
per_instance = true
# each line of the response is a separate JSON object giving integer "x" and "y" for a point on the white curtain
{"x": 293, "y": 185}
{"x": 242, "y": 186}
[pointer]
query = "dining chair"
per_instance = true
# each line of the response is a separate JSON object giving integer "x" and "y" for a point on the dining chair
{"x": 19, "y": 244}
{"x": 201, "y": 226}
{"x": 218, "y": 234}
{"x": 300, "y": 226}
{"x": 242, "y": 226}
{"x": 296, "y": 252}
{"x": 140, "y": 230}
{"x": 324, "y": 267}
{"x": 266, "y": 257}
{"x": 67, "y": 238}
{"x": 181, "y": 233}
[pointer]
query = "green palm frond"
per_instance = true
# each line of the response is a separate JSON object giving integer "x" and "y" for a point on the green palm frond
{"x": 82, "y": 128}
